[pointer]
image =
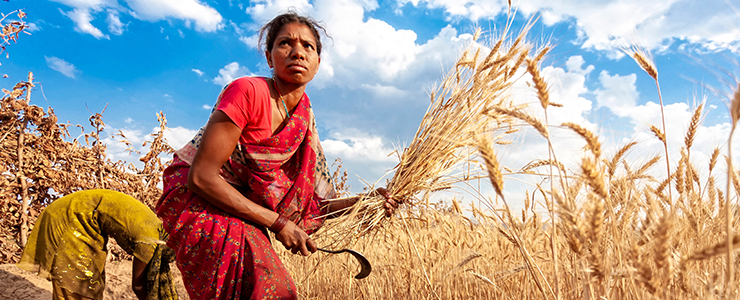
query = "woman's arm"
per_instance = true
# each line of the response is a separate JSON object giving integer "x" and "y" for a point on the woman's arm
{"x": 138, "y": 279}
{"x": 219, "y": 140}
{"x": 336, "y": 208}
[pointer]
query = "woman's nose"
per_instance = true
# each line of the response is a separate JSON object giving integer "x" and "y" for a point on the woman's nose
{"x": 297, "y": 54}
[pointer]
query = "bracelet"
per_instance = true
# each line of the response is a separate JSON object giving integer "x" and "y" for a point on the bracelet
{"x": 279, "y": 224}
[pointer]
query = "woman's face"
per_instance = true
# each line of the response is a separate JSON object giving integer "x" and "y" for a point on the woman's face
{"x": 293, "y": 57}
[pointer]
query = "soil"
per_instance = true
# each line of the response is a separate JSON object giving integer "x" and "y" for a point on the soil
{"x": 19, "y": 284}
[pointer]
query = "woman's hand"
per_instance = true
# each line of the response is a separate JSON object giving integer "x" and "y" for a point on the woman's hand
{"x": 296, "y": 240}
{"x": 390, "y": 204}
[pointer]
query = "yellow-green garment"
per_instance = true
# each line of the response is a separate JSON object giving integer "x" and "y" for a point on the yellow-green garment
{"x": 68, "y": 242}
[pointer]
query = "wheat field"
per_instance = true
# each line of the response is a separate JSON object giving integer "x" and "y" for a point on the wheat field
{"x": 607, "y": 229}
{"x": 619, "y": 232}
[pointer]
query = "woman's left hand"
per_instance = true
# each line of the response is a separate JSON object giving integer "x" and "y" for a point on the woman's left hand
{"x": 390, "y": 204}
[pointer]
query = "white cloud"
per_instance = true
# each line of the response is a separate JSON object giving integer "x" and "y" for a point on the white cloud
{"x": 383, "y": 50}
{"x": 115, "y": 149}
{"x": 237, "y": 29}
{"x": 61, "y": 66}
{"x": 82, "y": 18}
{"x": 608, "y": 24}
{"x": 205, "y": 18}
{"x": 353, "y": 145}
{"x": 383, "y": 91}
{"x": 604, "y": 23}
{"x": 32, "y": 27}
{"x": 128, "y": 120}
{"x": 393, "y": 51}
{"x": 230, "y": 72}
{"x": 207, "y": 107}
{"x": 566, "y": 86}
{"x": 470, "y": 9}
{"x": 178, "y": 136}
{"x": 86, "y": 3}
{"x": 264, "y": 10}
{"x": 114, "y": 23}
{"x": 199, "y": 72}
{"x": 363, "y": 155}
{"x": 250, "y": 41}
{"x": 134, "y": 136}
{"x": 619, "y": 93}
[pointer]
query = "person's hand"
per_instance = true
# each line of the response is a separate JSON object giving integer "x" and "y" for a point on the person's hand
{"x": 296, "y": 240}
{"x": 390, "y": 204}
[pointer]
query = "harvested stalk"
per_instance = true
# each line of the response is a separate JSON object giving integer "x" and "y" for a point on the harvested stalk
{"x": 466, "y": 105}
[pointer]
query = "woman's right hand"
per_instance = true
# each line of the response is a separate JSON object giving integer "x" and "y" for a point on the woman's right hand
{"x": 296, "y": 240}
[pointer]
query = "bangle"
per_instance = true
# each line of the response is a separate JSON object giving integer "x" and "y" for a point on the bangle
{"x": 279, "y": 224}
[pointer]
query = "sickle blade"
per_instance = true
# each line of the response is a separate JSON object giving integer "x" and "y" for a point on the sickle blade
{"x": 365, "y": 267}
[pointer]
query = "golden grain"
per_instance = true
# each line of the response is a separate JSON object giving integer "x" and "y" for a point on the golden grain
{"x": 594, "y": 177}
{"x": 539, "y": 83}
{"x": 659, "y": 134}
{"x": 593, "y": 143}
{"x": 693, "y": 127}
{"x": 645, "y": 62}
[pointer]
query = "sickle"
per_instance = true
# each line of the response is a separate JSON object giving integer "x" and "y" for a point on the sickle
{"x": 366, "y": 268}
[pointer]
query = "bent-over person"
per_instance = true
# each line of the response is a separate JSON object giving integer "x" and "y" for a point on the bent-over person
{"x": 68, "y": 245}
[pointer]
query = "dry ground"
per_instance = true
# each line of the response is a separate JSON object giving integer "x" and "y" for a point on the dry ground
{"x": 19, "y": 284}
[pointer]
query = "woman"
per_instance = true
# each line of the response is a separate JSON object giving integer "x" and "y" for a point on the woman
{"x": 68, "y": 245}
{"x": 257, "y": 165}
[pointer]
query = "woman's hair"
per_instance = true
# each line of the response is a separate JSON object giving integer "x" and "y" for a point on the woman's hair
{"x": 269, "y": 31}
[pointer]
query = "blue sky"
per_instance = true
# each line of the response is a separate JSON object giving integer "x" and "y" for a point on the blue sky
{"x": 140, "y": 57}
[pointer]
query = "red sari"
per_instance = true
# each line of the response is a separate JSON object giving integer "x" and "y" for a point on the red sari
{"x": 222, "y": 256}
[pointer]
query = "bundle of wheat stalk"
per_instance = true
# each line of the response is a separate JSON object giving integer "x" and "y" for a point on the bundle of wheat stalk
{"x": 443, "y": 150}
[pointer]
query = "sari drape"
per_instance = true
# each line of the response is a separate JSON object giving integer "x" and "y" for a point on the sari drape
{"x": 222, "y": 256}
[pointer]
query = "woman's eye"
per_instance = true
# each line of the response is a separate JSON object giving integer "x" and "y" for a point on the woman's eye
{"x": 309, "y": 46}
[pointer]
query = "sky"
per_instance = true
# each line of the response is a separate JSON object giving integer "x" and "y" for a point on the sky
{"x": 135, "y": 58}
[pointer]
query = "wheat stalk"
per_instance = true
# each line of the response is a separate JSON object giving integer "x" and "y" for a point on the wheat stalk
{"x": 645, "y": 61}
{"x": 732, "y": 176}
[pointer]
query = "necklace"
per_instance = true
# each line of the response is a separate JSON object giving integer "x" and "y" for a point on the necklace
{"x": 280, "y": 95}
